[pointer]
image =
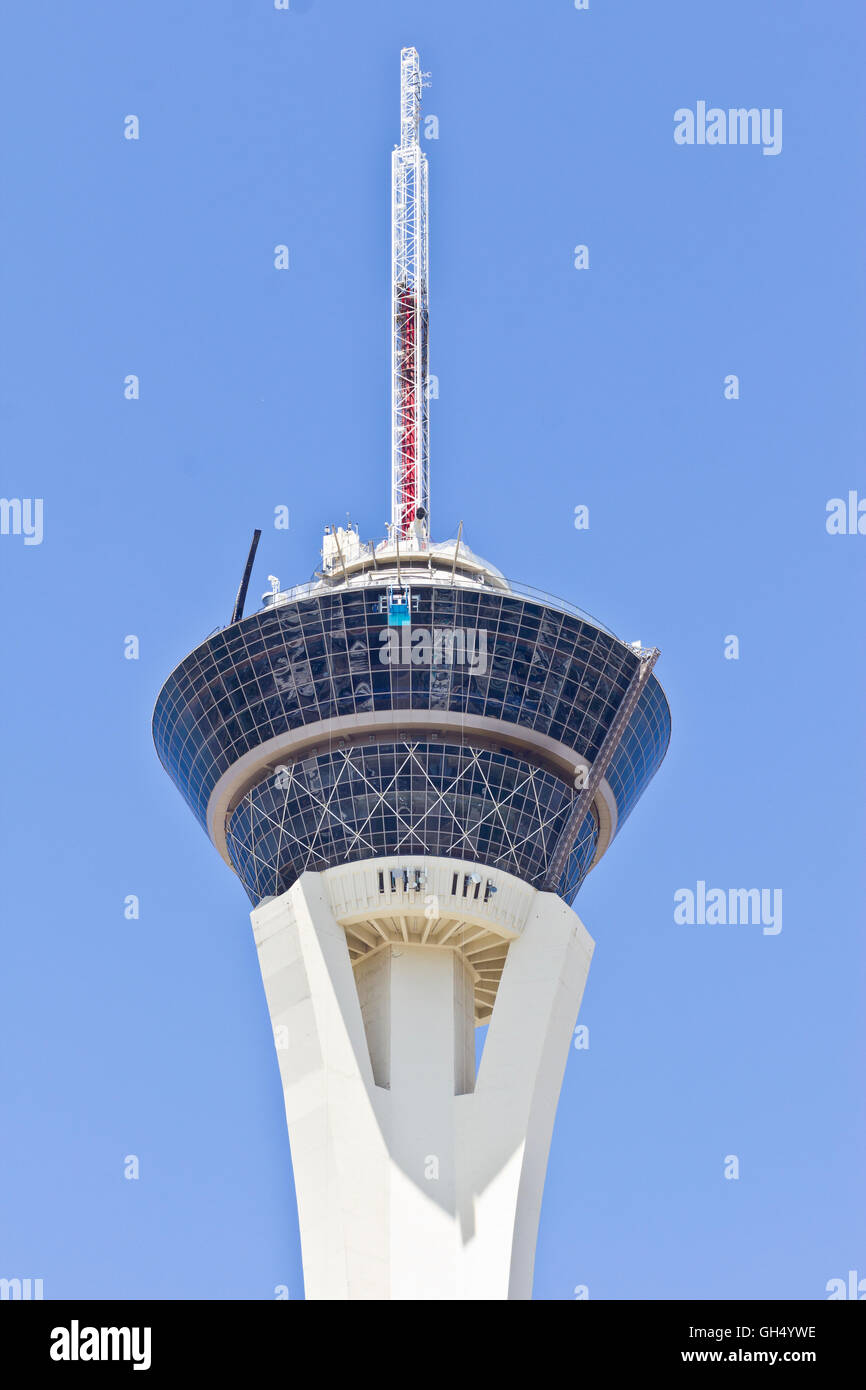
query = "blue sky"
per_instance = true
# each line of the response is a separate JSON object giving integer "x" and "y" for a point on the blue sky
{"x": 558, "y": 387}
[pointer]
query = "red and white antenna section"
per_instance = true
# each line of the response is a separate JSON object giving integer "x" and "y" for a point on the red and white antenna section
{"x": 410, "y": 428}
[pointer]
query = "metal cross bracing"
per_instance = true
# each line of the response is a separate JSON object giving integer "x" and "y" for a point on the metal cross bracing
{"x": 410, "y": 430}
{"x": 416, "y": 831}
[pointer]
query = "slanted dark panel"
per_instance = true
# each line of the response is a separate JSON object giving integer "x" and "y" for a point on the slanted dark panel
{"x": 238, "y": 611}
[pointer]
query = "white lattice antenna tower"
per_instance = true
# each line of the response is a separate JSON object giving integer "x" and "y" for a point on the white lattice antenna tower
{"x": 410, "y": 429}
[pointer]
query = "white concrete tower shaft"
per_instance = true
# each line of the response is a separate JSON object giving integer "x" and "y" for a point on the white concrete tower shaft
{"x": 414, "y": 1180}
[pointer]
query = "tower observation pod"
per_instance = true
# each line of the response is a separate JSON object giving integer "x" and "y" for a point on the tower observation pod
{"x": 412, "y": 764}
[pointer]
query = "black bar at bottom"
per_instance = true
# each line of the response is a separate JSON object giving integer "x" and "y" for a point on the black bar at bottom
{"x": 68, "y": 1337}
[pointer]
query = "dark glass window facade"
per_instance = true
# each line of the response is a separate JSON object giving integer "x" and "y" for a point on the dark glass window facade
{"x": 282, "y": 668}
{"x": 402, "y": 799}
{"x": 641, "y": 749}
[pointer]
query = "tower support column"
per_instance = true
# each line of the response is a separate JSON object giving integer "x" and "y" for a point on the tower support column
{"x": 414, "y": 1180}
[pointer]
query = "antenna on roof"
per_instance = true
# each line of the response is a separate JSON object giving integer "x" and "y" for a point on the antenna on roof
{"x": 410, "y": 426}
{"x": 241, "y": 599}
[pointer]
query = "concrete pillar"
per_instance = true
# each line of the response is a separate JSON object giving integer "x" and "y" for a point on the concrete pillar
{"x": 410, "y": 1183}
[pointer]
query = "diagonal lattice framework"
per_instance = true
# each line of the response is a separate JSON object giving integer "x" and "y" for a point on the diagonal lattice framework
{"x": 292, "y": 823}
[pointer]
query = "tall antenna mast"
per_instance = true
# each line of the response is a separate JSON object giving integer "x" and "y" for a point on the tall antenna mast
{"x": 410, "y": 431}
